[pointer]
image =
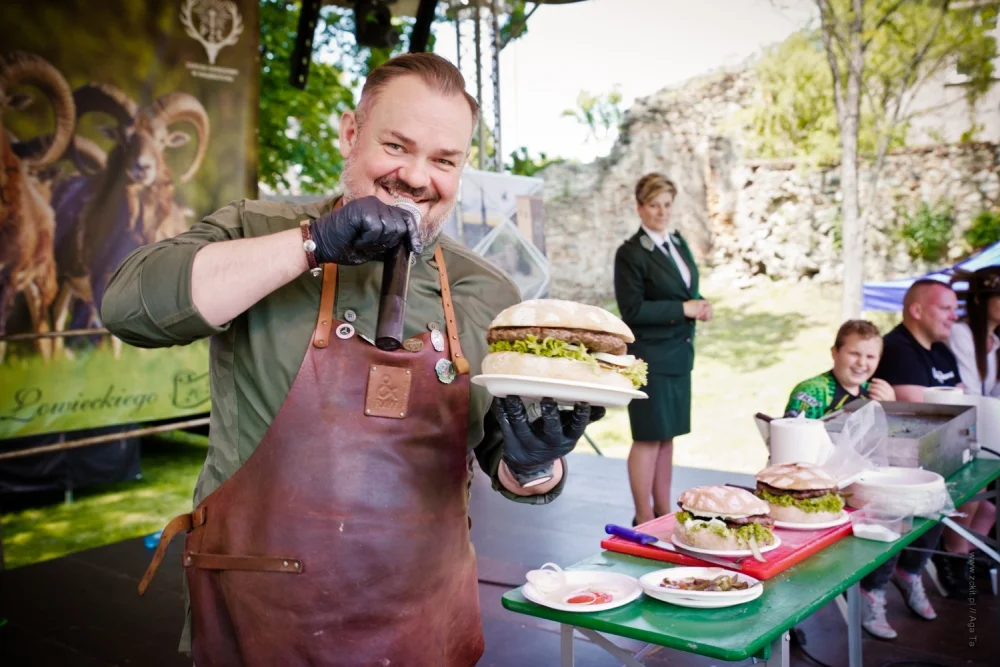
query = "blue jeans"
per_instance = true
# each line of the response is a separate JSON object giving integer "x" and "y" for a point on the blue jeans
{"x": 911, "y": 562}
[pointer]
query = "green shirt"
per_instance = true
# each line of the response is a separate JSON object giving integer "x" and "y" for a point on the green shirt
{"x": 819, "y": 396}
{"x": 254, "y": 358}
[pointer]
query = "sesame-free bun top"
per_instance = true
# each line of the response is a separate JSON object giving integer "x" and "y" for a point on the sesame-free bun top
{"x": 722, "y": 501}
{"x": 559, "y": 314}
{"x": 797, "y": 477}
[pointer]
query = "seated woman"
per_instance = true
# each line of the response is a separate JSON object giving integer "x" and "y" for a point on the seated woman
{"x": 856, "y": 353}
{"x": 975, "y": 344}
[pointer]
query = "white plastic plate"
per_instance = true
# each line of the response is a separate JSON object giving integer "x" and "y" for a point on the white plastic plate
{"x": 726, "y": 552}
{"x": 650, "y": 583}
{"x": 624, "y": 589}
{"x": 563, "y": 392}
{"x": 844, "y": 518}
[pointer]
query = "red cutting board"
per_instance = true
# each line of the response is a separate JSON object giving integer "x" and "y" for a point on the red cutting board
{"x": 796, "y": 546}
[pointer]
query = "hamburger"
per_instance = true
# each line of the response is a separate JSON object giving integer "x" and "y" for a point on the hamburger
{"x": 563, "y": 340}
{"x": 799, "y": 493}
{"x": 723, "y": 518}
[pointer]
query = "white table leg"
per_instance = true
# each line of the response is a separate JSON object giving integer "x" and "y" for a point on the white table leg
{"x": 619, "y": 653}
{"x": 566, "y": 644}
{"x": 780, "y": 651}
{"x": 971, "y": 537}
{"x": 854, "y": 626}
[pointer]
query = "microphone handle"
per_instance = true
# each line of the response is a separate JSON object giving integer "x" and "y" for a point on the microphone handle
{"x": 392, "y": 299}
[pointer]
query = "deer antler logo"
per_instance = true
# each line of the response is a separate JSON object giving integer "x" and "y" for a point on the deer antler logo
{"x": 214, "y": 23}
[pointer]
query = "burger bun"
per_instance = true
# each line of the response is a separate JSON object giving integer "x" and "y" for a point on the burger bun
{"x": 553, "y": 368}
{"x": 790, "y": 514}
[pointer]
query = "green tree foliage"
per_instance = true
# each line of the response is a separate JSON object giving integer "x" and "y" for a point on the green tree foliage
{"x": 984, "y": 231}
{"x": 927, "y": 232}
{"x": 906, "y": 43}
{"x": 299, "y": 128}
{"x": 522, "y": 164}
{"x": 600, "y": 114}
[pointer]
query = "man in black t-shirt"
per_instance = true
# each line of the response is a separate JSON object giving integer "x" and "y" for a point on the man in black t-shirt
{"x": 914, "y": 357}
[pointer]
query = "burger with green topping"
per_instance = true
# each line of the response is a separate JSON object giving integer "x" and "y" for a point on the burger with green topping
{"x": 563, "y": 340}
{"x": 800, "y": 493}
{"x": 723, "y": 518}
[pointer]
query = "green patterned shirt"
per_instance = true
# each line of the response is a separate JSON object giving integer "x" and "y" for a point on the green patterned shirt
{"x": 819, "y": 396}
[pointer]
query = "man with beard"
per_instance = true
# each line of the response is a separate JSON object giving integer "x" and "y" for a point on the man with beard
{"x": 330, "y": 523}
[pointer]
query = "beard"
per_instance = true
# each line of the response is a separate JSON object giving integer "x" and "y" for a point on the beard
{"x": 354, "y": 184}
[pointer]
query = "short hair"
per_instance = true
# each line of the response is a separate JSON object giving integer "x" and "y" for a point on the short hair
{"x": 862, "y": 328}
{"x": 652, "y": 186}
{"x": 436, "y": 72}
{"x": 918, "y": 288}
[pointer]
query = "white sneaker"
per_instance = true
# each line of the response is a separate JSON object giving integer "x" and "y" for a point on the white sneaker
{"x": 912, "y": 588}
{"x": 873, "y": 614}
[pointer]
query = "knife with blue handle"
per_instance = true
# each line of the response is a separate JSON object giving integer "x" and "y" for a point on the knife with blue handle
{"x": 651, "y": 540}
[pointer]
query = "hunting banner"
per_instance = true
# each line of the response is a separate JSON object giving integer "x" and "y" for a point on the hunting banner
{"x": 121, "y": 123}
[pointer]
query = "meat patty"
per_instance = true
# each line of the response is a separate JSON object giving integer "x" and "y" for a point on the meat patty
{"x": 762, "y": 519}
{"x": 592, "y": 340}
{"x": 798, "y": 495}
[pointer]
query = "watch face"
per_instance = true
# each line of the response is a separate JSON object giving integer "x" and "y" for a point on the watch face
{"x": 309, "y": 245}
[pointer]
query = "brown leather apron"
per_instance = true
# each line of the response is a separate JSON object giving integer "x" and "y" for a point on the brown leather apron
{"x": 344, "y": 539}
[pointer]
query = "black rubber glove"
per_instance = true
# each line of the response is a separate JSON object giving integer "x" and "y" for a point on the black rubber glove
{"x": 530, "y": 450}
{"x": 362, "y": 231}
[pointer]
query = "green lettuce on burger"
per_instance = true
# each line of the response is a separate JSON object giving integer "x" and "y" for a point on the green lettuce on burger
{"x": 800, "y": 493}
{"x": 563, "y": 340}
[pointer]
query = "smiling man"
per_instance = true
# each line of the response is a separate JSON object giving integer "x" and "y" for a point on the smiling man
{"x": 330, "y": 523}
{"x": 856, "y": 352}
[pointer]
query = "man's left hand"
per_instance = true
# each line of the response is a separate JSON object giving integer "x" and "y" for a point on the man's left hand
{"x": 531, "y": 448}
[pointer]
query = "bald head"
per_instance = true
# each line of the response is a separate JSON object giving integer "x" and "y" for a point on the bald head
{"x": 929, "y": 310}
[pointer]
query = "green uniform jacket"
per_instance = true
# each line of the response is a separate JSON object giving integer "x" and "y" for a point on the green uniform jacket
{"x": 651, "y": 296}
{"x": 255, "y": 357}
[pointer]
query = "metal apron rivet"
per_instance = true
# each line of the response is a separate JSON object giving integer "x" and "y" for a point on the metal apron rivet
{"x": 345, "y": 331}
{"x": 285, "y": 564}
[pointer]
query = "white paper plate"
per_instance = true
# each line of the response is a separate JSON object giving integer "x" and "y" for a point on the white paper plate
{"x": 650, "y": 583}
{"x": 711, "y": 603}
{"x": 726, "y": 552}
{"x": 563, "y": 392}
{"x": 626, "y": 590}
{"x": 840, "y": 521}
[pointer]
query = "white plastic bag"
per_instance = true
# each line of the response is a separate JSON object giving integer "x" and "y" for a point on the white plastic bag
{"x": 861, "y": 445}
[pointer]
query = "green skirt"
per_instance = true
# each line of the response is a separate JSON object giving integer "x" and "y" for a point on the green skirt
{"x": 666, "y": 413}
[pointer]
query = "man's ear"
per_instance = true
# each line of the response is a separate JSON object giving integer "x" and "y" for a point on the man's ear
{"x": 833, "y": 353}
{"x": 349, "y": 132}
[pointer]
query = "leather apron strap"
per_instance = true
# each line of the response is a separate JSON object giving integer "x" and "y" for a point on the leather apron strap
{"x": 324, "y": 321}
{"x": 184, "y": 522}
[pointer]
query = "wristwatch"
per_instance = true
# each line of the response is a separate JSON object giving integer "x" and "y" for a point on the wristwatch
{"x": 309, "y": 246}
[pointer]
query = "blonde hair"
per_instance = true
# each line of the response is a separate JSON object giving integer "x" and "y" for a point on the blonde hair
{"x": 652, "y": 186}
{"x": 436, "y": 72}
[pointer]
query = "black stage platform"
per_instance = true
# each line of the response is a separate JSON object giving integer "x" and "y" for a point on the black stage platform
{"x": 83, "y": 611}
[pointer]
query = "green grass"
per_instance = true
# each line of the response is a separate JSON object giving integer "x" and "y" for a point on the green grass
{"x": 107, "y": 513}
{"x": 762, "y": 342}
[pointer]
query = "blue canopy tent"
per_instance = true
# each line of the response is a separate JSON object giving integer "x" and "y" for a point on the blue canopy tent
{"x": 887, "y": 295}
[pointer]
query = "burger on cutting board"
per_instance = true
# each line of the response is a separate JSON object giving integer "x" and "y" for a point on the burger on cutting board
{"x": 723, "y": 518}
{"x": 563, "y": 340}
{"x": 800, "y": 493}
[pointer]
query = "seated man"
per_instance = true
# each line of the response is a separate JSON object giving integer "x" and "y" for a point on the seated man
{"x": 856, "y": 353}
{"x": 914, "y": 357}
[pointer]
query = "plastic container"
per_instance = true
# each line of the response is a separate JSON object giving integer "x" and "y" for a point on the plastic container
{"x": 880, "y": 525}
{"x": 150, "y": 541}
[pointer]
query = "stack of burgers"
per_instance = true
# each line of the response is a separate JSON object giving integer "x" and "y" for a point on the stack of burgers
{"x": 799, "y": 493}
{"x": 723, "y": 518}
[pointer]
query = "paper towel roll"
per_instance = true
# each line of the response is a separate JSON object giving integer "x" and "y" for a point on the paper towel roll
{"x": 948, "y": 396}
{"x": 796, "y": 440}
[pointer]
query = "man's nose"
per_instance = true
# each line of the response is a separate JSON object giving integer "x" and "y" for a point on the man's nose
{"x": 415, "y": 175}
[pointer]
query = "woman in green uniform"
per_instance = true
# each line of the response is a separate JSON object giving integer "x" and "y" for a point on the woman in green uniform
{"x": 656, "y": 285}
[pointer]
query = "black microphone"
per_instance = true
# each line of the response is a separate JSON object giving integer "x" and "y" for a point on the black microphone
{"x": 395, "y": 283}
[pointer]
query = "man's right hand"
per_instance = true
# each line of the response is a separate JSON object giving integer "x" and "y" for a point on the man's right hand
{"x": 362, "y": 231}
